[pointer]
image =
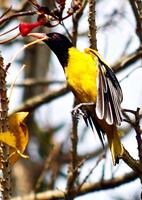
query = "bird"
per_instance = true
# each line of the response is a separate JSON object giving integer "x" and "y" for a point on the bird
{"x": 94, "y": 86}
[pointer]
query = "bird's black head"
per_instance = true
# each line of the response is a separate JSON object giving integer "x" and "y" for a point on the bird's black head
{"x": 58, "y": 43}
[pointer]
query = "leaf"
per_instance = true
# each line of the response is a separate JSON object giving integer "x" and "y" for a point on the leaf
{"x": 8, "y": 138}
{"x": 17, "y": 137}
{"x": 20, "y": 131}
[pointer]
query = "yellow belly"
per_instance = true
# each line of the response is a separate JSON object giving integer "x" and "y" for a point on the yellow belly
{"x": 81, "y": 74}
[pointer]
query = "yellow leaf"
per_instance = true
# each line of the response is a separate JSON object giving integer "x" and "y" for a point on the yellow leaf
{"x": 20, "y": 131}
{"x": 8, "y": 138}
{"x": 17, "y": 118}
{"x": 17, "y": 136}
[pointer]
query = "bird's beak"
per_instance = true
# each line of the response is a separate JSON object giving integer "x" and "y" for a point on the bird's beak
{"x": 39, "y": 36}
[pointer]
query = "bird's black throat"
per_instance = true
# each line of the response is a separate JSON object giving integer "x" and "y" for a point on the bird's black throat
{"x": 60, "y": 45}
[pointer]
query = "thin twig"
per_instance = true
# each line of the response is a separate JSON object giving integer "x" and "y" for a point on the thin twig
{"x": 10, "y": 13}
{"x": 73, "y": 168}
{"x": 137, "y": 10}
{"x": 136, "y": 125}
{"x": 126, "y": 61}
{"x": 138, "y": 134}
{"x": 75, "y": 21}
{"x": 129, "y": 73}
{"x": 48, "y": 162}
{"x": 91, "y": 171}
{"x": 15, "y": 15}
{"x": 92, "y": 24}
{"x": 31, "y": 82}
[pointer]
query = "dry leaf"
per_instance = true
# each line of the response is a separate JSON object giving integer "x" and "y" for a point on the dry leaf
{"x": 20, "y": 131}
{"x": 8, "y": 138}
{"x": 16, "y": 137}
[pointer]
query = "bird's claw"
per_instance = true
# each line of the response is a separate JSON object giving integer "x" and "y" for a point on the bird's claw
{"x": 77, "y": 112}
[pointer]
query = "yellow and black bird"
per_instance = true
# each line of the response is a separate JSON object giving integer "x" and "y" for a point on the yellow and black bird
{"x": 94, "y": 85}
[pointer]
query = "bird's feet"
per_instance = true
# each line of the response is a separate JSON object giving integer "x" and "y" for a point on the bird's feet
{"x": 79, "y": 110}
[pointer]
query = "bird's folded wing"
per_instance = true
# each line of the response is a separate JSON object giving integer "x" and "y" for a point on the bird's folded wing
{"x": 109, "y": 96}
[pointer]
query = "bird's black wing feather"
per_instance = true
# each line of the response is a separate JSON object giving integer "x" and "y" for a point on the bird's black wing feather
{"x": 90, "y": 119}
{"x": 109, "y": 96}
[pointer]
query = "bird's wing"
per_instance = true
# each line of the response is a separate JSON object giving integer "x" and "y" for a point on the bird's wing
{"x": 109, "y": 95}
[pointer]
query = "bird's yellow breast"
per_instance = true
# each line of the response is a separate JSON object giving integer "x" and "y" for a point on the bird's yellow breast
{"x": 81, "y": 73}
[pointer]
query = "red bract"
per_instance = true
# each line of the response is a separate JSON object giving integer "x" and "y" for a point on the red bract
{"x": 45, "y": 17}
{"x": 26, "y": 28}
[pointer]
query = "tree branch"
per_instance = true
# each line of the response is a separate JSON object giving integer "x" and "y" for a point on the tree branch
{"x": 73, "y": 167}
{"x": 86, "y": 188}
{"x": 5, "y": 180}
{"x": 126, "y": 61}
{"x": 75, "y": 21}
{"x": 15, "y": 15}
{"x": 132, "y": 163}
{"x": 137, "y": 10}
{"x": 34, "y": 102}
{"x": 31, "y": 82}
{"x": 92, "y": 24}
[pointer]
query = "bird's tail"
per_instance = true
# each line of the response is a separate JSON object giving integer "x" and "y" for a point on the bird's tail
{"x": 113, "y": 135}
{"x": 115, "y": 145}
{"x": 102, "y": 128}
